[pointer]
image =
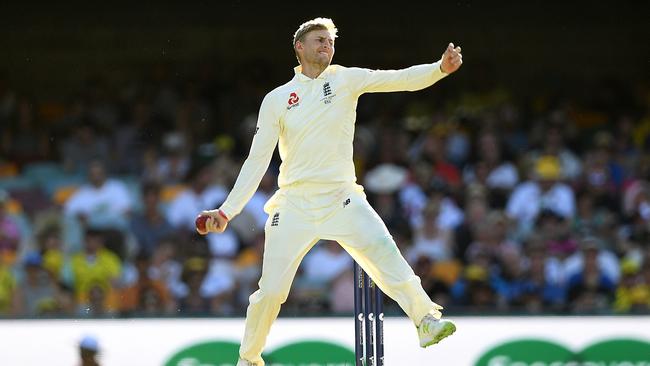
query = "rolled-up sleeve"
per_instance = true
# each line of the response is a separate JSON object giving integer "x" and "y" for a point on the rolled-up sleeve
{"x": 265, "y": 139}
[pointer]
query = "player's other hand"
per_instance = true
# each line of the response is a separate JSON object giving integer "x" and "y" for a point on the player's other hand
{"x": 215, "y": 222}
{"x": 451, "y": 59}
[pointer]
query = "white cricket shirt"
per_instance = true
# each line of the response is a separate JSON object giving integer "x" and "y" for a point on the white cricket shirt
{"x": 313, "y": 121}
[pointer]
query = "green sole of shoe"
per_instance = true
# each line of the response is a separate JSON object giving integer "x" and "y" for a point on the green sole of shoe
{"x": 448, "y": 330}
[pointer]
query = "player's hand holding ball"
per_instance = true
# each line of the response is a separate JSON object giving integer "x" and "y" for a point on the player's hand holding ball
{"x": 451, "y": 59}
{"x": 212, "y": 221}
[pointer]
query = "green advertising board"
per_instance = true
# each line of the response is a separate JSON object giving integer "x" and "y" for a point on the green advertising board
{"x": 225, "y": 353}
{"x": 536, "y": 352}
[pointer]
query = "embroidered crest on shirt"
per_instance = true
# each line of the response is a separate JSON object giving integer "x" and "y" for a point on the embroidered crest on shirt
{"x": 294, "y": 100}
{"x": 327, "y": 90}
{"x": 276, "y": 219}
{"x": 327, "y": 93}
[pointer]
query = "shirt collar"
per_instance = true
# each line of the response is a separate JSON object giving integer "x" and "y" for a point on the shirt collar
{"x": 302, "y": 77}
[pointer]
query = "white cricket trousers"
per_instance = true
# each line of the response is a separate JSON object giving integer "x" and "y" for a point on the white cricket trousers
{"x": 299, "y": 216}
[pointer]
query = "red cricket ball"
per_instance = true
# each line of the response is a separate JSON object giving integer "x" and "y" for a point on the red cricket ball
{"x": 200, "y": 223}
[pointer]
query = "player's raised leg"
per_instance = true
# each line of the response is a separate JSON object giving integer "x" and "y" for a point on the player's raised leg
{"x": 359, "y": 229}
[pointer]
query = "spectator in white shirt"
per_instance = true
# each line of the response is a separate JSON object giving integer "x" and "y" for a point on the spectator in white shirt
{"x": 544, "y": 192}
{"x": 606, "y": 260}
{"x": 103, "y": 202}
{"x": 326, "y": 262}
{"x": 491, "y": 169}
{"x": 430, "y": 240}
{"x": 202, "y": 195}
{"x": 422, "y": 189}
{"x": 255, "y": 206}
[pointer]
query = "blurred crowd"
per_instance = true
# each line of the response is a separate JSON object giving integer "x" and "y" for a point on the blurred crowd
{"x": 501, "y": 203}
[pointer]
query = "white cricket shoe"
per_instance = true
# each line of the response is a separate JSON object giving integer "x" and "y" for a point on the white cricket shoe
{"x": 243, "y": 362}
{"x": 432, "y": 330}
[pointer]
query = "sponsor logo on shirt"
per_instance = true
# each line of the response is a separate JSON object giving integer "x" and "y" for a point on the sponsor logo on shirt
{"x": 294, "y": 100}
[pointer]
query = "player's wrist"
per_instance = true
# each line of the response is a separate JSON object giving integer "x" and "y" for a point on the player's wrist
{"x": 442, "y": 70}
{"x": 223, "y": 214}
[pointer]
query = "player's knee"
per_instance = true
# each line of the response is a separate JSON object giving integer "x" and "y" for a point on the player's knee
{"x": 382, "y": 250}
{"x": 274, "y": 295}
{"x": 384, "y": 245}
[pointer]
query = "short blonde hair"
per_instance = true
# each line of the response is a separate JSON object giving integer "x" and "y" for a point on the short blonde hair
{"x": 310, "y": 25}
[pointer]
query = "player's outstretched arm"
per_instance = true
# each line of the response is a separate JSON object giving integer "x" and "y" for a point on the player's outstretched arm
{"x": 409, "y": 79}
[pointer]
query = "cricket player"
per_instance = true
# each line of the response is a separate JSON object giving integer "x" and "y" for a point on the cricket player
{"x": 312, "y": 118}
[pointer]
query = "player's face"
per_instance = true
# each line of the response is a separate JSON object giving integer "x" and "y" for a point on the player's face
{"x": 317, "y": 47}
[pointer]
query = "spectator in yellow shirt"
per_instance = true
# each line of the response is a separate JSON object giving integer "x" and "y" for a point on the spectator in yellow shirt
{"x": 633, "y": 293}
{"x": 94, "y": 266}
{"x": 7, "y": 290}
